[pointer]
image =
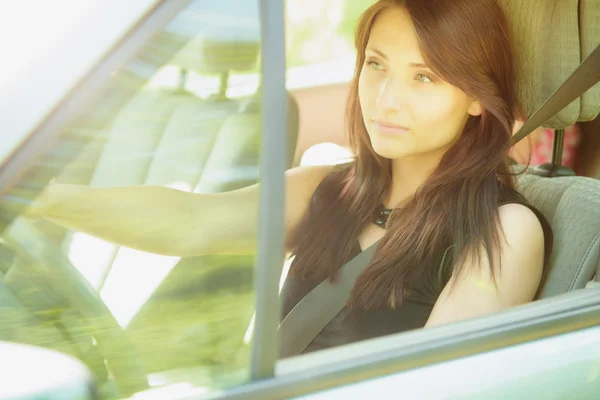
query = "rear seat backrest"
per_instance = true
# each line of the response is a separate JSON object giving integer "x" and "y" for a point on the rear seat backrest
{"x": 185, "y": 146}
{"x": 165, "y": 136}
{"x": 174, "y": 138}
{"x": 235, "y": 156}
{"x": 134, "y": 139}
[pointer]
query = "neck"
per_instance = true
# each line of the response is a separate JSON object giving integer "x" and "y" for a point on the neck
{"x": 408, "y": 174}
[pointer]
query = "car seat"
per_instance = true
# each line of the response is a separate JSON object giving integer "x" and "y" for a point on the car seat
{"x": 552, "y": 39}
{"x": 210, "y": 144}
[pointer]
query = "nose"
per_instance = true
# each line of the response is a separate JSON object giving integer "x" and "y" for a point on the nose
{"x": 390, "y": 95}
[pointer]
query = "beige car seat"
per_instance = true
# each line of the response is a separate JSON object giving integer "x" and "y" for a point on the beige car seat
{"x": 172, "y": 137}
{"x": 553, "y": 37}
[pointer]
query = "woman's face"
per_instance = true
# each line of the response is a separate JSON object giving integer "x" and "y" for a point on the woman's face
{"x": 407, "y": 109}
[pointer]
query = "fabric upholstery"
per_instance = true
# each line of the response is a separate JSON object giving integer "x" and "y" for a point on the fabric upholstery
{"x": 589, "y": 22}
{"x": 135, "y": 135}
{"x": 186, "y": 145}
{"x": 572, "y": 207}
{"x": 228, "y": 41}
{"x": 550, "y": 45}
{"x": 235, "y": 155}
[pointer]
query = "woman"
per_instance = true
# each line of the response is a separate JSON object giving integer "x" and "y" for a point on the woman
{"x": 430, "y": 113}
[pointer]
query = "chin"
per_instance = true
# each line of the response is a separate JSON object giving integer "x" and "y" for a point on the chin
{"x": 389, "y": 150}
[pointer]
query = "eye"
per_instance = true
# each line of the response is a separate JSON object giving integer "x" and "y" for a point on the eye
{"x": 424, "y": 78}
{"x": 374, "y": 64}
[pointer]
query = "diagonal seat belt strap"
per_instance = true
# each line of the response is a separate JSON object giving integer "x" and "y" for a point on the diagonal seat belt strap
{"x": 304, "y": 322}
{"x": 582, "y": 79}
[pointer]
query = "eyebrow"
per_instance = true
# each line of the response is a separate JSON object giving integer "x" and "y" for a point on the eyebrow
{"x": 380, "y": 54}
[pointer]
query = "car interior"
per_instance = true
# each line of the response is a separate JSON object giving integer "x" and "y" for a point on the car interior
{"x": 569, "y": 203}
{"x": 552, "y": 42}
{"x": 174, "y": 136}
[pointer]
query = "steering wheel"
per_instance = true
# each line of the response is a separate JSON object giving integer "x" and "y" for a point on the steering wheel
{"x": 39, "y": 257}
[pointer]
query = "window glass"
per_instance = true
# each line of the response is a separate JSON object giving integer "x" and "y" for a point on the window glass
{"x": 175, "y": 116}
{"x": 320, "y": 64}
{"x": 319, "y": 46}
{"x": 320, "y": 40}
{"x": 184, "y": 113}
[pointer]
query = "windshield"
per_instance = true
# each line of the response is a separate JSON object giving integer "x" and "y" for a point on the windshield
{"x": 166, "y": 118}
{"x": 185, "y": 113}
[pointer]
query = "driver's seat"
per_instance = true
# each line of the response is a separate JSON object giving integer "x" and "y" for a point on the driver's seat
{"x": 553, "y": 38}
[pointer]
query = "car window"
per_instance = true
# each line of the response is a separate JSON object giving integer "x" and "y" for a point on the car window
{"x": 320, "y": 64}
{"x": 175, "y": 116}
{"x": 319, "y": 50}
{"x": 184, "y": 113}
{"x": 31, "y": 41}
{"x": 320, "y": 41}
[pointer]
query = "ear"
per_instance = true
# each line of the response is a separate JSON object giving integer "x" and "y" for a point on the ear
{"x": 475, "y": 108}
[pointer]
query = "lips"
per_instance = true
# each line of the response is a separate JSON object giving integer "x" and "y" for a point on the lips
{"x": 389, "y": 127}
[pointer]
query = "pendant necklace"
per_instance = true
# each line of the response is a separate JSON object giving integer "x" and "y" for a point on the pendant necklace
{"x": 381, "y": 215}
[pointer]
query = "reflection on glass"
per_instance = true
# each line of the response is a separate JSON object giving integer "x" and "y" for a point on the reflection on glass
{"x": 320, "y": 40}
{"x": 184, "y": 114}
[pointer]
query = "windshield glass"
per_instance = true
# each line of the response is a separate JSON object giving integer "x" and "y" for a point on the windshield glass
{"x": 184, "y": 114}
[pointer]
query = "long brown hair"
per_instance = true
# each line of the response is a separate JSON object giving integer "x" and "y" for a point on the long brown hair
{"x": 467, "y": 43}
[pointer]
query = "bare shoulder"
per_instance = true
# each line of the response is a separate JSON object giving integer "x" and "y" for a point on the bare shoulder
{"x": 300, "y": 185}
{"x": 477, "y": 291}
{"x": 309, "y": 172}
{"x": 523, "y": 247}
{"x": 301, "y": 182}
{"x": 519, "y": 222}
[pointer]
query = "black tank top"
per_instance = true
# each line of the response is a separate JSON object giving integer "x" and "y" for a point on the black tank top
{"x": 354, "y": 324}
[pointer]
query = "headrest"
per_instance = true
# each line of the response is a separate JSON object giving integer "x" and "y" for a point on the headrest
{"x": 228, "y": 38}
{"x": 552, "y": 37}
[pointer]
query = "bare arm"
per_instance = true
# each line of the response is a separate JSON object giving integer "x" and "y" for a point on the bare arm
{"x": 522, "y": 256}
{"x": 172, "y": 222}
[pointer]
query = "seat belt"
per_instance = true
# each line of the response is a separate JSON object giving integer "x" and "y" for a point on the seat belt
{"x": 304, "y": 322}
